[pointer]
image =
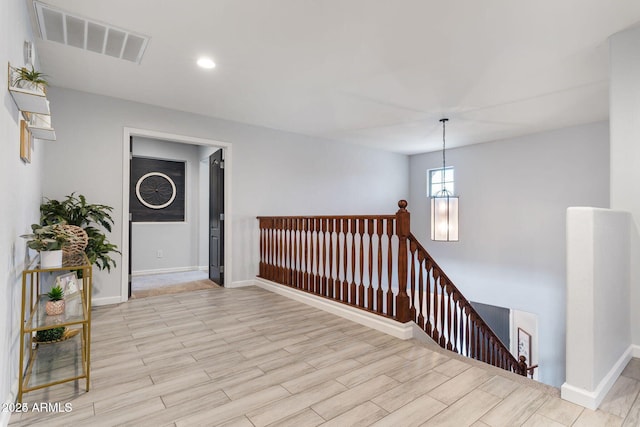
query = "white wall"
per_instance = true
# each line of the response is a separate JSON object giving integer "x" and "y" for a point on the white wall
{"x": 598, "y": 312}
{"x": 178, "y": 241}
{"x": 625, "y": 147}
{"x": 20, "y": 186}
{"x": 274, "y": 172}
{"x": 513, "y": 198}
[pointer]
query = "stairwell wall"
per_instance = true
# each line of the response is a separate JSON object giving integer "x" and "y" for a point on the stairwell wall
{"x": 513, "y": 199}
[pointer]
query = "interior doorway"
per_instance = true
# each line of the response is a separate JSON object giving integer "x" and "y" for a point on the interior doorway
{"x": 221, "y": 197}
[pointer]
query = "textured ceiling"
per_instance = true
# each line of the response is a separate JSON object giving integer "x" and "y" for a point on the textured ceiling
{"x": 374, "y": 72}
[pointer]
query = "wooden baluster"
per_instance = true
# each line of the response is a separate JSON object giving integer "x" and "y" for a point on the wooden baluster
{"x": 330, "y": 281}
{"x": 282, "y": 252}
{"x": 427, "y": 315}
{"x": 436, "y": 331}
{"x": 390, "y": 230}
{"x": 379, "y": 293}
{"x": 267, "y": 249}
{"x": 412, "y": 283}
{"x": 449, "y": 320}
{"x": 261, "y": 239}
{"x": 287, "y": 251}
{"x": 323, "y": 284}
{"x": 421, "y": 269}
{"x": 403, "y": 312}
{"x": 352, "y": 288}
{"x": 455, "y": 323}
{"x": 345, "y": 283}
{"x": 305, "y": 247}
{"x": 295, "y": 261}
{"x": 361, "y": 262}
{"x": 467, "y": 339}
{"x": 474, "y": 337}
{"x": 276, "y": 249}
{"x": 339, "y": 256}
{"x": 370, "y": 265}
{"x": 318, "y": 277}
{"x": 443, "y": 314}
{"x": 270, "y": 250}
{"x": 292, "y": 253}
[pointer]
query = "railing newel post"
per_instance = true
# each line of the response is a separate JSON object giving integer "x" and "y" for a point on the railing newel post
{"x": 403, "y": 311}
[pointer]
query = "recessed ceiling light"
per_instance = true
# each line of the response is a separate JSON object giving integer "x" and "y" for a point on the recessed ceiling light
{"x": 206, "y": 63}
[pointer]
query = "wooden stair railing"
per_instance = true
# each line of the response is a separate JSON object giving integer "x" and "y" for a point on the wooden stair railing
{"x": 373, "y": 262}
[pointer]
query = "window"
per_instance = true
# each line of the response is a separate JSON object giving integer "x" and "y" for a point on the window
{"x": 436, "y": 181}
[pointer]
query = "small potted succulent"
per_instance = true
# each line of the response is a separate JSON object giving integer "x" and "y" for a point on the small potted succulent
{"x": 30, "y": 79}
{"x": 55, "y": 305}
{"x": 48, "y": 240}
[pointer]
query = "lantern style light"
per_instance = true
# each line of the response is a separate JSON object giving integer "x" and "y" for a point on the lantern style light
{"x": 444, "y": 206}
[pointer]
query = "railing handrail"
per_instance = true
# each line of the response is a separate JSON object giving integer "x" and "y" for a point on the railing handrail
{"x": 313, "y": 254}
{"x": 464, "y": 300}
{"x": 341, "y": 217}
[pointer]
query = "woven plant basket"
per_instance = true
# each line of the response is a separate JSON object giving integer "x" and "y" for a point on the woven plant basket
{"x": 77, "y": 243}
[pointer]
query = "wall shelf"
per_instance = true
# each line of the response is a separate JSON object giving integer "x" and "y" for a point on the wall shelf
{"x": 40, "y": 126}
{"x": 31, "y": 100}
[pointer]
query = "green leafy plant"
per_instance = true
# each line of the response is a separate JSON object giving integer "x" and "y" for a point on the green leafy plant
{"x": 53, "y": 334}
{"x": 32, "y": 76}
{"x": 55, "y": 294}
{"x": 48, "y": 237}
{"x": 75, "y": 210}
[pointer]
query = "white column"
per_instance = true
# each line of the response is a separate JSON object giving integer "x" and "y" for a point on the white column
{"x": 625, "y": 150}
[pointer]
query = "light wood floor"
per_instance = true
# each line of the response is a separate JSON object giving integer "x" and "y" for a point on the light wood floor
{"x": 247, "y": 357}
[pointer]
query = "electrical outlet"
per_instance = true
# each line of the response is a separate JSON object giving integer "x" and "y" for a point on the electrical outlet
{"x": 159, "y": 254}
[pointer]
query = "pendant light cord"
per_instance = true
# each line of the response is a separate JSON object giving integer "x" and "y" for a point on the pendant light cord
{"x": 444, "y": 121}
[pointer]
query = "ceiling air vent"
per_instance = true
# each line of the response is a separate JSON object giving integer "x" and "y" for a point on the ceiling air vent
{"x": 62, "y": 27}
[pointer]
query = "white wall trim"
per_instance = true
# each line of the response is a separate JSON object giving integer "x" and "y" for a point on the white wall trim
{"x": 13, "y": 393}
{"x": 228, "y": 174}
{"x": 592, "y": 399}
{"x": 95, "y": 302}
{"x": 404, "y": 331}
{"x": 167, "y": 270}
{"x": 242, "y": 283}
{"x": 635, "y": 351}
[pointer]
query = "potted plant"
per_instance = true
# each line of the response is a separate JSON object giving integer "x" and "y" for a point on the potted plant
{"x": 30, "y": 79}
{"x": 48, "y": 240}
{"x": 75, "y": 210}
{"x": 48, "y": 335}
{"x": 55, "y": 305}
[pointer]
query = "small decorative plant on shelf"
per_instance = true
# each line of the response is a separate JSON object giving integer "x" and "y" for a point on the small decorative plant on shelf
{"x": 55, "y": 305}
{"x": 48, "y": 240}
{"x": 48, "y": 335}
{"x": 29, "y": 79}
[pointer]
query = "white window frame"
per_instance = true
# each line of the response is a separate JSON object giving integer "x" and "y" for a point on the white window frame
{"x": 448, "y": 185}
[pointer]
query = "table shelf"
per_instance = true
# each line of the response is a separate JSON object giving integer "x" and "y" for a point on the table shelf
{"x": 46, "y": 364}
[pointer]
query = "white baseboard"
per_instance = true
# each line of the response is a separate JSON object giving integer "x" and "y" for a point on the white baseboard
{"x": 167, "y": 270}
{"x": 635, "y": 351}
{"x": 242, "y": 284}
{"x": 106, "y": 301}
{"x": 13, "y": 393}
{"x": 203, "y": 268}
{"x": 4, "y": 417}
{"x": 403, "y": 331}
{"x": 592, "y": 399}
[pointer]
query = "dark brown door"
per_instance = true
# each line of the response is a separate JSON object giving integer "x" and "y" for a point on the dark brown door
{"x": 130, "y": 222}
{"x": 216, "y": 217}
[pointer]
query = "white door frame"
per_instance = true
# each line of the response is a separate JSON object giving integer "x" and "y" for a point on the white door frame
{"x": 128, "y": 133}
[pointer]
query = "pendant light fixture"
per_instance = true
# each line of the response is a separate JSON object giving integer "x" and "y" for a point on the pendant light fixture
{"x": 444, "y": 206}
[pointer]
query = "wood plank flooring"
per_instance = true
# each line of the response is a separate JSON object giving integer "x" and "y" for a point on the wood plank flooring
{"x": 248, "y": 357}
